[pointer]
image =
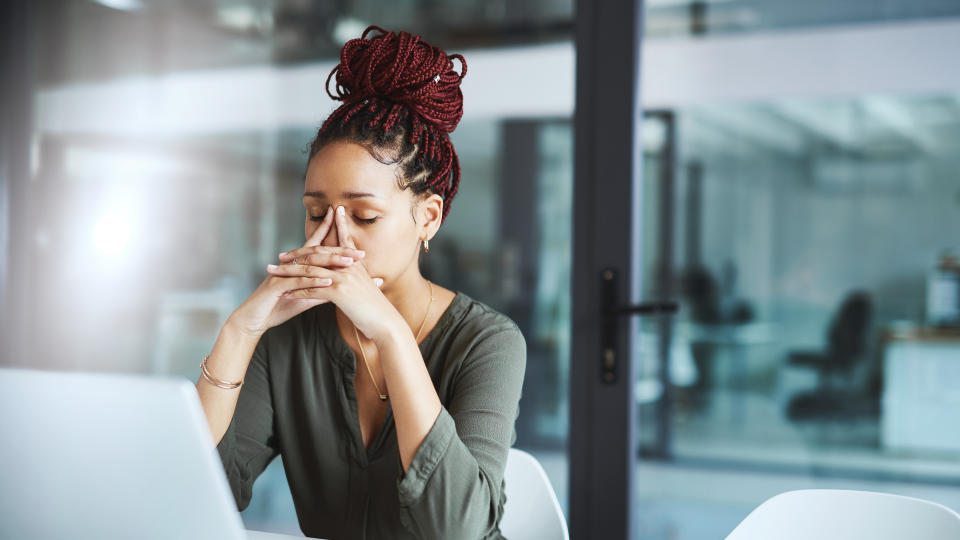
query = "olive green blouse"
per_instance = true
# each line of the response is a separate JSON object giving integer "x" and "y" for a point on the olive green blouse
{"x": 298, "y": 401}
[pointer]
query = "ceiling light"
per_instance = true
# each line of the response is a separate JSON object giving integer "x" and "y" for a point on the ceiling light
{"x": 121, "y": 5}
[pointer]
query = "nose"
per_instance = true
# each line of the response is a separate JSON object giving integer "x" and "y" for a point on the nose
{"x": 331, "y": 239}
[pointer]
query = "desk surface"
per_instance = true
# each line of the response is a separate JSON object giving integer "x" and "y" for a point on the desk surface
{"x": 261, "y": 535}
{"x": 921, "y": 333}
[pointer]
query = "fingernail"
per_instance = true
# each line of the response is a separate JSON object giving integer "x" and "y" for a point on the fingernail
{"x": 341, "y": 211}
{"x": 347, "y": 260}
{"x": 271, "y": 267}
{"x": 360, "y": 252}
{"x": 284, "y": 254}
{"x": 378, "y": 281}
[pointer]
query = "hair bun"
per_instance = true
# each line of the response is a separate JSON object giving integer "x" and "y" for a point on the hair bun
{"x": 399, "y": 67}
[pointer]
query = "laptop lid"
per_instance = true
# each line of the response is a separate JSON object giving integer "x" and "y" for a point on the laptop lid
{"x": 92, "y": 455}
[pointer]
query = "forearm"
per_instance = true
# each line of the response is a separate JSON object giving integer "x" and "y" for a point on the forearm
{"x": 228, "y": 361}
{"x": 453, "y": 486}
{"x": 414, "y": 400}
{"x": 449, "y": 495}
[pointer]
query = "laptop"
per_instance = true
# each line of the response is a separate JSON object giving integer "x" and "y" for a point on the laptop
{"x": 108, "y": 456}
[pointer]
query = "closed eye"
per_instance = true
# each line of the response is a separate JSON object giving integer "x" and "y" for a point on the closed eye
{"x": 361, "y": 220}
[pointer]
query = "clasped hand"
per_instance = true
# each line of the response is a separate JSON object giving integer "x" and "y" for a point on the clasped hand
{"x": 348, "y": 283}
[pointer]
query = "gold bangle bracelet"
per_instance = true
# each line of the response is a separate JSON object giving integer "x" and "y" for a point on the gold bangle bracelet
{"x": 218, "y": 382}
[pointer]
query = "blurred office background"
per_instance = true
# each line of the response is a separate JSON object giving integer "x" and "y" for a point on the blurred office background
{"x": 802, "y": 202}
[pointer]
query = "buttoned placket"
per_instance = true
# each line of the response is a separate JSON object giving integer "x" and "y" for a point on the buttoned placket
{"x": 361, "y": 455}
{"x": 345, "y": 360}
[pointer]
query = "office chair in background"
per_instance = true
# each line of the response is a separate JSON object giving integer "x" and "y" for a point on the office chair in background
{"x": 847, "y": 346}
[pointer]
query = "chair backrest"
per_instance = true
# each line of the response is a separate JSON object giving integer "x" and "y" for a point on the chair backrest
{"x": 847, "y": 337}
{"x": 834, "y": 514}
{"x": 532, "y": 510}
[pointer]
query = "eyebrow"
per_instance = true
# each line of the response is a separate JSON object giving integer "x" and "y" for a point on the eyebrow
{"x": 346, "y": 195}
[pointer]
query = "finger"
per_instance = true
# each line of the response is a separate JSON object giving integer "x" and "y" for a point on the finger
{"x": 308, "y": 302}
{"x": 318, "y": 235}
{"x": 319, "y": 294}
{"x": 296, "y": 283}
{"x": 343, "y": 231}
{"x": 299, "y": 270}
{"x": 308, "y": 295}
{"x": 326, "y": 259}
{"x": 317, "y": 259}
{"x": 322, "y": 292}
{"x": 313, "y": 293}
{"x": 309, "y": 251}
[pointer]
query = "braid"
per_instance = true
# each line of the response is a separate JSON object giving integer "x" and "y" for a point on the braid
{"x": 400, "y": 95}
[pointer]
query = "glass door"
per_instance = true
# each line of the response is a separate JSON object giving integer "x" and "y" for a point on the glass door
{"x": 818, "y": 327}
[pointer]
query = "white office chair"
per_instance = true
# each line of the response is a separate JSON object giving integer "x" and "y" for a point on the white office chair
{"x": 532, "y": 511}
{"x": 834, "y": 514}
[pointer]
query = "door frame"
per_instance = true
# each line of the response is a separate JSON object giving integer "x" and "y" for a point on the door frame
{"x": 608, "y": 163}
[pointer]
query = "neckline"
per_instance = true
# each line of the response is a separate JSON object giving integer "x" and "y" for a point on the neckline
{"x": 345, "y": 355}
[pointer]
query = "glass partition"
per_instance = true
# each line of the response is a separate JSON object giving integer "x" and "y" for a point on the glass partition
{"x": 814, "y": 255}
{"x": 149, "y": 230}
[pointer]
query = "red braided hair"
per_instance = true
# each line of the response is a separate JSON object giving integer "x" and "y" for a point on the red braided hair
{"x": 401, "y": 94}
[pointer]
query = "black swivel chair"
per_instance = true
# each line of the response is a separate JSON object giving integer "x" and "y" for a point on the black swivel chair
{"x": 847, "y": 340}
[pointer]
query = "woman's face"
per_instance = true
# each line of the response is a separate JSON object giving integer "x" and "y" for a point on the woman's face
{"x": 377, "y": 211}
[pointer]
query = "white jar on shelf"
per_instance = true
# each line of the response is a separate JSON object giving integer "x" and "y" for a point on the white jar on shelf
{"x": 943, "y": 292}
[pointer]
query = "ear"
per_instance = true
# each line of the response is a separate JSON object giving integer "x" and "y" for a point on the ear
{"x": 429, "y": 216}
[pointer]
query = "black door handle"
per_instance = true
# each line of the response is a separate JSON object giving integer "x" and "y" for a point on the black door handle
{"x": 610, "y": 311}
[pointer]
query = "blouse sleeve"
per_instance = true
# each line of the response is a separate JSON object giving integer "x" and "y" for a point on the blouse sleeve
{"x": 250, "y": 443}
{"x": 453, "y": 487}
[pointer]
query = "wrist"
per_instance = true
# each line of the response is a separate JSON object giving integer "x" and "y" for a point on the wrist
{"x": 238, "y": 332}
{"x": 392, "y": 332}
{"x": 231, "y": 353}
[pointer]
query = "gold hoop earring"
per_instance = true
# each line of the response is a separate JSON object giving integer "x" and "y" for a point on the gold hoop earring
{"x": 426, "y": 246}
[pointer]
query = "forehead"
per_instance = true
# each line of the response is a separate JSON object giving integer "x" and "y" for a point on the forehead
{"x": 346, "y": 170}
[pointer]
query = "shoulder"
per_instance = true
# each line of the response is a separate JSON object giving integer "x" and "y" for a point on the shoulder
{"x": 477, "y": 323}
{"x": 488, "y": 351}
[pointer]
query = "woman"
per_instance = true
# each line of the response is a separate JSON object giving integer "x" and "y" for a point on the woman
{"x": 391, "y": 399}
